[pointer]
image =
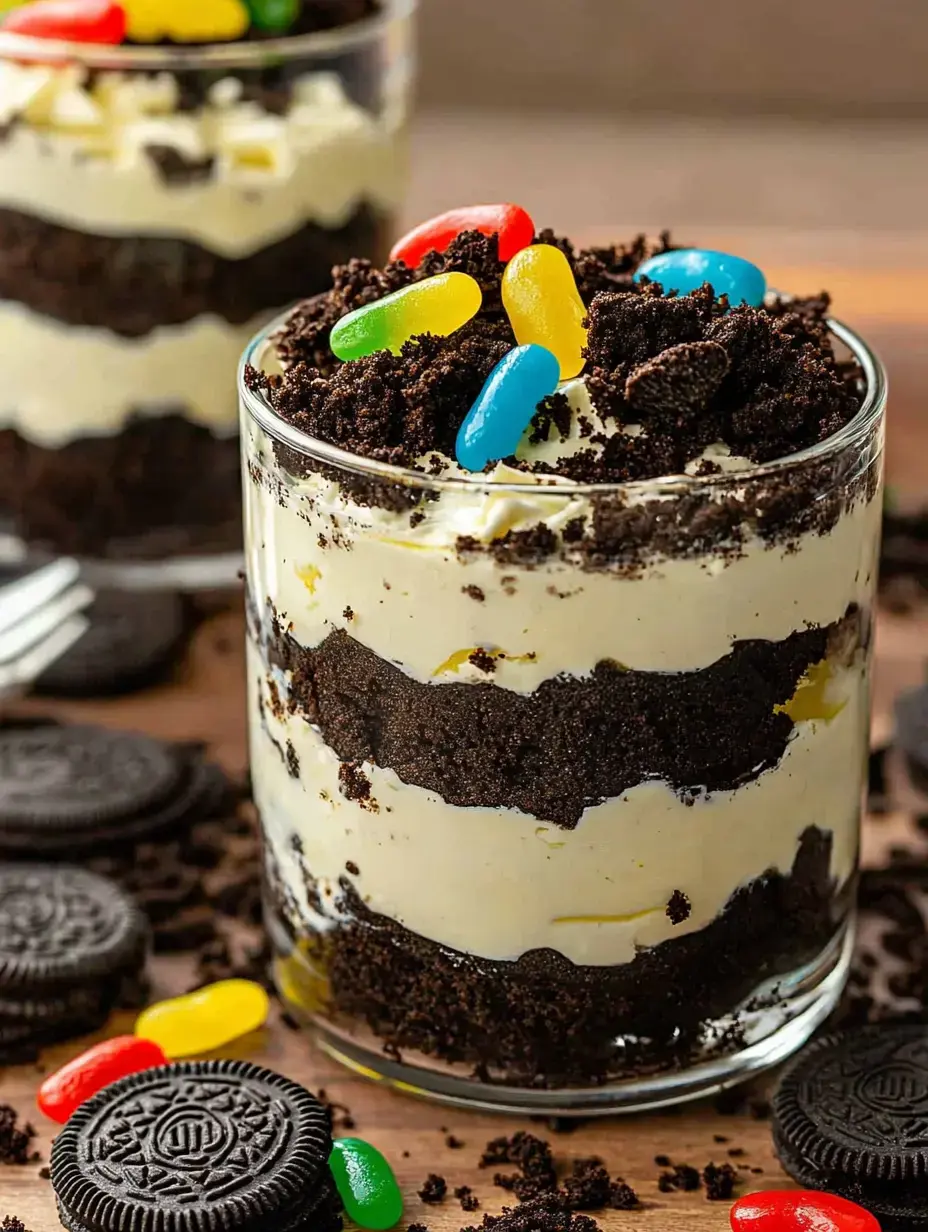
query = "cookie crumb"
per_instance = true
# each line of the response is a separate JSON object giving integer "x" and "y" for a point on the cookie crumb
{"x": 12, "y": 1224}
{"x": 482, "y": 660}
{"x": 434, "y": 1189}
{"x": 622, "y": 1197}
{"x": 452, "y": 1143}
{"x": 15, "y": 1140}
{"x": 683, "y": 1177}
{"x": 533, "y": 1158}
{"x": 545, "y": 1213}
{"x": 467, "y": 1198}
{"x": 678, "y": 908}
{"x": 720, "y": 1182}
{"x": 474, "y": 591}
{"x": 351, "y": 867}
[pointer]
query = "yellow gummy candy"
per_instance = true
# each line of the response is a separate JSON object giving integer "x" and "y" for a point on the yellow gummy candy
{"x": 204, "y": 1020}
{"x": 186, "y": 21}
{"x": 544, "y": 306}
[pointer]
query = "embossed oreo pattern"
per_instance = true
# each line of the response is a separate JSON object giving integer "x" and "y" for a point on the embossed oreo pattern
{"x": 220, "y": 1145}
{"x": 60, "y": 924}
{"x": 80, "y": 775}
{"x": 856, "y": 1105}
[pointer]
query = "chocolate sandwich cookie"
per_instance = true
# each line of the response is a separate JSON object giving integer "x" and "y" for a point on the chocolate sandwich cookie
{"x": 849, "y": 1117}
{"x": 71, "y": 944}
{"x": 911, "y": 711}
{"x": 130, "y": 641}
{"x": 70, "y": 791}
{"x": 204, "y": 1146}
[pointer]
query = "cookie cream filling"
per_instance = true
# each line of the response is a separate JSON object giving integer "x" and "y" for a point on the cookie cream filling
{"x": 84, "y": 153}
{"x": 595, "y": 894}
{"x": 92, "y": 379}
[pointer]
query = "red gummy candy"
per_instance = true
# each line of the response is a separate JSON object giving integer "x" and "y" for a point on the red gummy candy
{"x": 93, "y": 1070}
{"x": 513, "y": 225}
{"x": 799, "y": 1210}
{"x": 73, "y": 21}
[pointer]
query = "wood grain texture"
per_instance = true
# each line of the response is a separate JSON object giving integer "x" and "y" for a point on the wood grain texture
{"x": 206, "y": 702}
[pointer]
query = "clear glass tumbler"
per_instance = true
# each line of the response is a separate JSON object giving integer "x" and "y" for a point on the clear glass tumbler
{"x": 157, "y": 205}
{"x": 560, "y": 786}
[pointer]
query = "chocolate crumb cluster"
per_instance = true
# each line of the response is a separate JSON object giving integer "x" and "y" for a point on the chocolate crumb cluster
{"x": 434, "y": 1189}
{"x": 689, "y": 369}
{"x": 546, "y": 1213}
{"x": 15, "y": 1138}
{"x": 587, "y": 1187}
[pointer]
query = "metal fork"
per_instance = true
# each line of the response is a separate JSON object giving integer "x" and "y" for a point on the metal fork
{"x": 40, "y": 618}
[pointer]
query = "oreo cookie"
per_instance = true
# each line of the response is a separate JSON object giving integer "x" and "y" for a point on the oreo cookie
{"x": 131, "y": 640}
{"x": 71, "y": 790}
{"x": 850, "y": 1117}
{"x": 209, "y": 1146}
{"x": 72, "y": 945}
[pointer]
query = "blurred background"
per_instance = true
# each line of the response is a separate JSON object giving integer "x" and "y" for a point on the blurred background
{"x": 794, "y": 132}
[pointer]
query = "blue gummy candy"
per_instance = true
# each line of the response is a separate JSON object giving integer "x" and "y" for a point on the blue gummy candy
{"x": 686, "y": 269}
{"x": 504, "y": 407}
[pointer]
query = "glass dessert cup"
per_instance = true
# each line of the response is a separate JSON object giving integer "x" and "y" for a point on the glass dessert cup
{"x": 557, "y": 820}
{"x": 157, "y": 205}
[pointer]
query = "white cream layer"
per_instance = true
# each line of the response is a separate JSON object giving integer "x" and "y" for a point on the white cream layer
{"x": 76, "y": 155}
{"x": 62, "y": 382}
{"x": 496, "y": 882}
{"x": 406, "y": 585}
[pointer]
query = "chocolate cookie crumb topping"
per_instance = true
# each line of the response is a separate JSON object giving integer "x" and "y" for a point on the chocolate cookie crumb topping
{"x": 720, "y": 1181}
{"x": 763, "y": 381}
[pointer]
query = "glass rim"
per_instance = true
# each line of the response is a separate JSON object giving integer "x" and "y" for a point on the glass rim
{"x": 855, "y": 431}
{"x": 251, "y": 53}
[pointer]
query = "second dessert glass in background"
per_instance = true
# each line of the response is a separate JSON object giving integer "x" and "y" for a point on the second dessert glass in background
{"x": 560, "y": 786}
{"x": 156, "y": 205}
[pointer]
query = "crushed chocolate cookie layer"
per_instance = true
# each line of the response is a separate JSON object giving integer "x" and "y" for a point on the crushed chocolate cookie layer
{"x": 554, "y": 752}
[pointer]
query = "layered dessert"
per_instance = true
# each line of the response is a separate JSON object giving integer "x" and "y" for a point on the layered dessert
{"x": 559, "y": 761}
{"x": 157, "y": 205}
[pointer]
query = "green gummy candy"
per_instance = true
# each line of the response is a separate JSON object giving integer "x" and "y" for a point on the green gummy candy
{"x": 274, "y": 14}
{"x": 366, "y": 1184}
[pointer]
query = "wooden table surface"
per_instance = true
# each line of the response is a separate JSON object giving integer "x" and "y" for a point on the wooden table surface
{"x": 206, "y": 702}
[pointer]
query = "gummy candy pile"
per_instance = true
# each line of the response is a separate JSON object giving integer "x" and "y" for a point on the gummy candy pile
{"x": 544, "y": 307}
{"x": 148, "y": 21}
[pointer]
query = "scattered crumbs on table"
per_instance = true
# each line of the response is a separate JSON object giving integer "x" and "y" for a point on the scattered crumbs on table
{"x": 15, "y": 1139}
{"x": 467, "y": 1198}
{"x": 720, "y": 1181}
{"x": 434, "y": 1189}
